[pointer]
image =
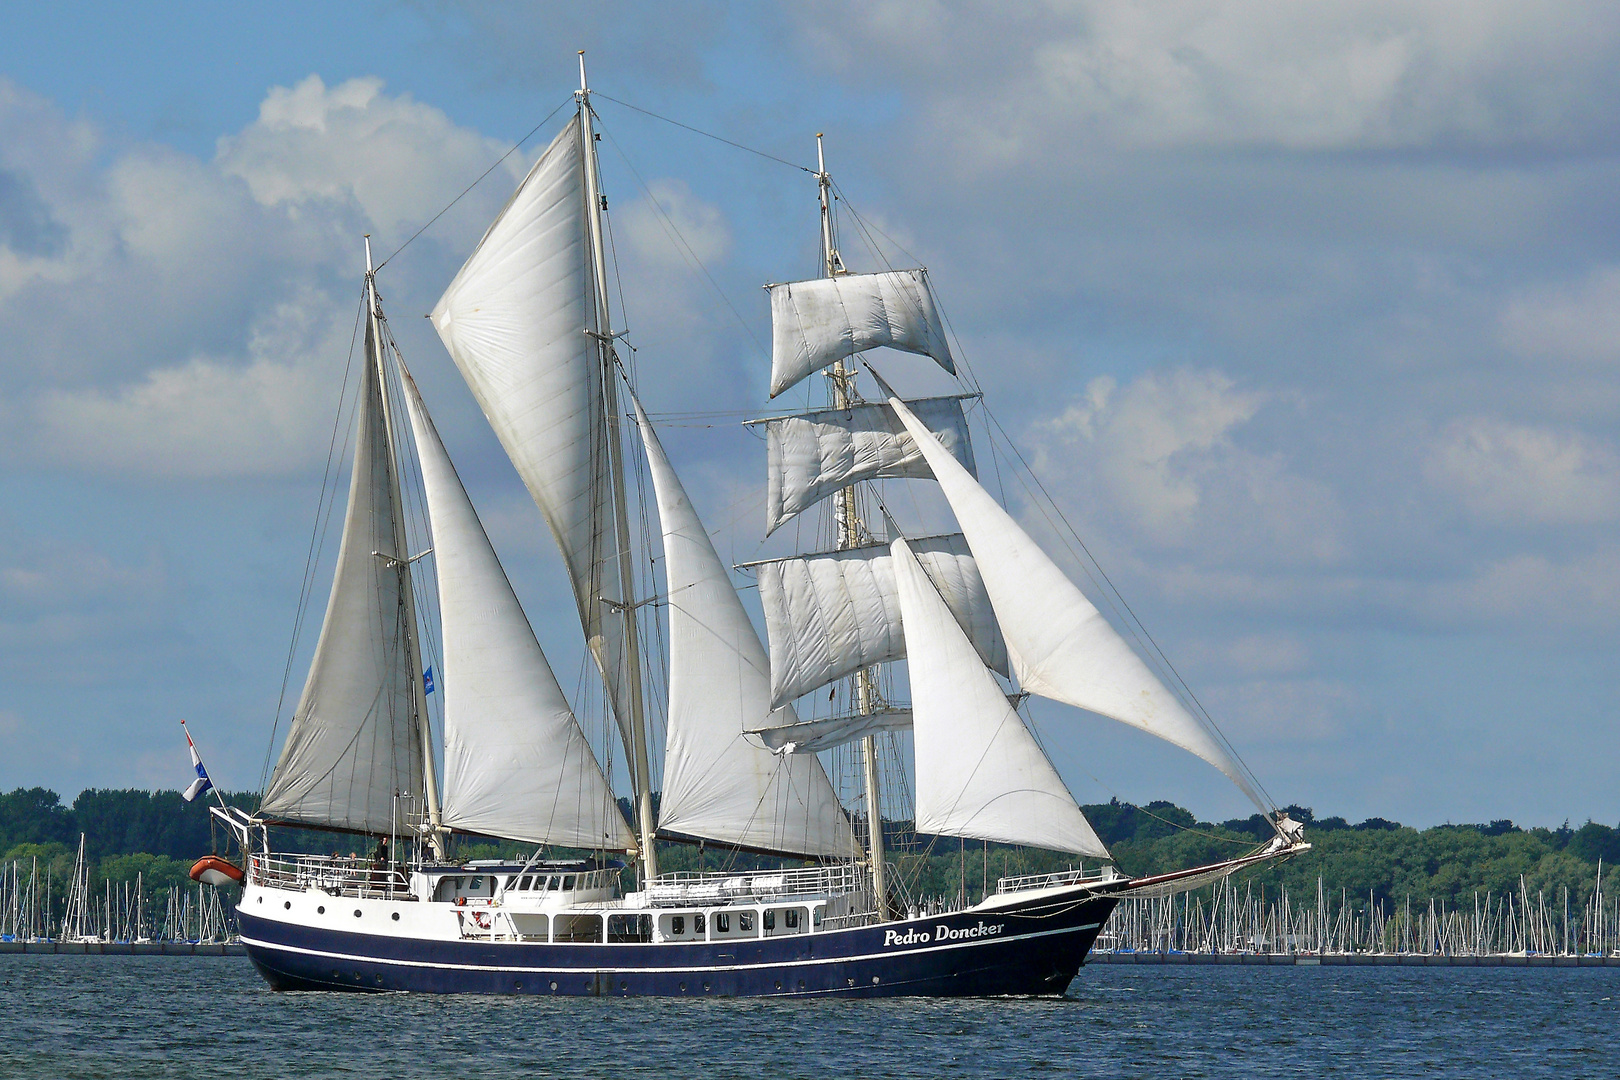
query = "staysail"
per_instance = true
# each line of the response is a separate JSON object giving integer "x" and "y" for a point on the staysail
{"x": 830, "y": 615}
{"x": 717, "y": 784}
{"x": 818, "y": 322}
{"x": 516, "y": 763}
{"x": 1060, "y": 645}
{"x": 980, "y": 773}
{"x": 518, "y": 320}
{"x": 354, "y": 742}
{"x": 814, "y": 454}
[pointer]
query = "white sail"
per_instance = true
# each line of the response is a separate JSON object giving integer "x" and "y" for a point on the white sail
{"x": 830, "y": 615}
{"x": 1060, "y": 645}
{"x": 516, "y": 320}
{"x": 516, "y": 763}
{"x": 814, "y": 736}
{"x": 353, "y": 742}
{"x": 980, "y": 773}
{"x": 815, "y": 323}
{"x": 717, "y": 784}
{"x": 814, "y": 454}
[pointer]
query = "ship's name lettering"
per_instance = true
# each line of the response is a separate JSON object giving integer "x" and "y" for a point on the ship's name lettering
{"x": 941, "y": 932}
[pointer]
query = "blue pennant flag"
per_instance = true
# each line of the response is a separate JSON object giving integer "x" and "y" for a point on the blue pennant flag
{"x": 202, "y": 783}
{"x": 427, "y": 681}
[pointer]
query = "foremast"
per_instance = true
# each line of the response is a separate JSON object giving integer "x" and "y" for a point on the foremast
{"x": 640, "y": 756}
{"x": 402, "y": 566}
{"x": 841, "y": 386}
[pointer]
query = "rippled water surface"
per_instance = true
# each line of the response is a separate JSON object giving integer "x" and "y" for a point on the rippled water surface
{"x": 115, "y": 1016}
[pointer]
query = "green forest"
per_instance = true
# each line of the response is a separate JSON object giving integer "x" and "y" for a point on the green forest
{"x": 158, "y": 835}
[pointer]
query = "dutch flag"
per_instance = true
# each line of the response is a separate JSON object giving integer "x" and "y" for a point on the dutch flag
{"x": 202, "y": 783}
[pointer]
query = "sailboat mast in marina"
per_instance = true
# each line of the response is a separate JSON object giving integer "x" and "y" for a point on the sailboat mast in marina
{"x": 528, "y": 324}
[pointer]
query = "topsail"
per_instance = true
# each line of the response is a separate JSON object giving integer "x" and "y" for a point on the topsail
{"x": 816, "y": 323}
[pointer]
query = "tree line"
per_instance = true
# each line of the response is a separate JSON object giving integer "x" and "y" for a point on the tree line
{"x": 158, "y": 834}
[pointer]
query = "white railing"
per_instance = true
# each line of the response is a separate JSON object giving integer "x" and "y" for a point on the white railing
{"x": 334, "y": 874}
{"x": 1050, "y": 881}
{"x": 686, "y": 888}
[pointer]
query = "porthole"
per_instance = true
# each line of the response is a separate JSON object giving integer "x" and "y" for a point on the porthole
{"x": 801, "y": 984}
{"x": 683, "y": 988}
{"x": 705, "y": 986}
{"x": 874, "y": 980}
{"x": 779, "y": 984}
{"x": 287, "y": 904}
{"x": 517, "y": 985}
{"x": 553, "y": 988}
{"x": 261, "y": 900}
{"x": 321, "y": 910}
{"x": 396, "y": 916}
{"x": 357, "y": 913}
{"x": 624, "y": 986}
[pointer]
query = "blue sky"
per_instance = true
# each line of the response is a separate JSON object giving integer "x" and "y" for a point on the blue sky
{"x": 1310, "y": 320}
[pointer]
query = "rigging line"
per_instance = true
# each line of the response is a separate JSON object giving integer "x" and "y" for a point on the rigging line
{"x": 515, "y": 148}
{"x": 685, "y": 247}
{"x": 312, "y": 555}
{"x": 866, "y": 223}
{"x": 705, "y": 134}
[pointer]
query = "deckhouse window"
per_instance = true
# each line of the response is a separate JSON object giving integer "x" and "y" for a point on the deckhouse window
{"x": 791, "y": 918}
{"x": 697, "y": 923}
{"x": 745, "y": 920}
{"x": 568, "y": 883}
{"x": 677, "y": 925}
{"x": 722, "y": 923}
{"x": 770, "y": 920}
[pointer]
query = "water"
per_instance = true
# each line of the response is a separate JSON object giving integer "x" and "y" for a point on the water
{"x": 67, "y": 1017}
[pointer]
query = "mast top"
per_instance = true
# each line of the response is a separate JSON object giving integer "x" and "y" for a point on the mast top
{"x": 369, "y": 270}
{"x": 583, "y": 89}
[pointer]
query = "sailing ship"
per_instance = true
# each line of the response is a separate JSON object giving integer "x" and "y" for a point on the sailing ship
{"x": 527, "y": 322}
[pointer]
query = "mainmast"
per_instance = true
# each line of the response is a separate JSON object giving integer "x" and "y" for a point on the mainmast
{"x": 640, "y": 765}
{"x": 402, "y": 566}
{"x": 841, "y": 383}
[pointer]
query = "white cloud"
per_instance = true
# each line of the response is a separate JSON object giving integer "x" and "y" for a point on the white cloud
{"x": 1160, "y": 451}
{"x": 1022, "y": 82}
{"x": 398, "y": 159}
{"x": 169, "y": 316}
{"x": 1520, "y": 475}
{"x": 1578, "y": 321}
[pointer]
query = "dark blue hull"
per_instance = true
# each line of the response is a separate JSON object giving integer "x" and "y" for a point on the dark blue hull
{"x": 1033, "y": 949}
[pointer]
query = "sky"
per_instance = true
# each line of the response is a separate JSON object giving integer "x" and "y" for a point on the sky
{"x": 1308, "y": 318}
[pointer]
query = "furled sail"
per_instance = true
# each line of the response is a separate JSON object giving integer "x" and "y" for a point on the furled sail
{"x": 814, "y": 454}
{"x": 516, "y": 763}
{"x": 814, "y": 736}
{"x": 1060, "y": 645}
{"x": 354, "y": 743}
{"x": 816, "y": 323}
{"x": 830, "y": 615}
{"x": 517, "y": 321}
{"x": 717, "y": 784}
{"x": 980, "y": 773}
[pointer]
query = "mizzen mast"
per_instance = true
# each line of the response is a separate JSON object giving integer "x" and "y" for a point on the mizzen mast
{"x": 841, "y": 383}
{"x": 640, "y": 764}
